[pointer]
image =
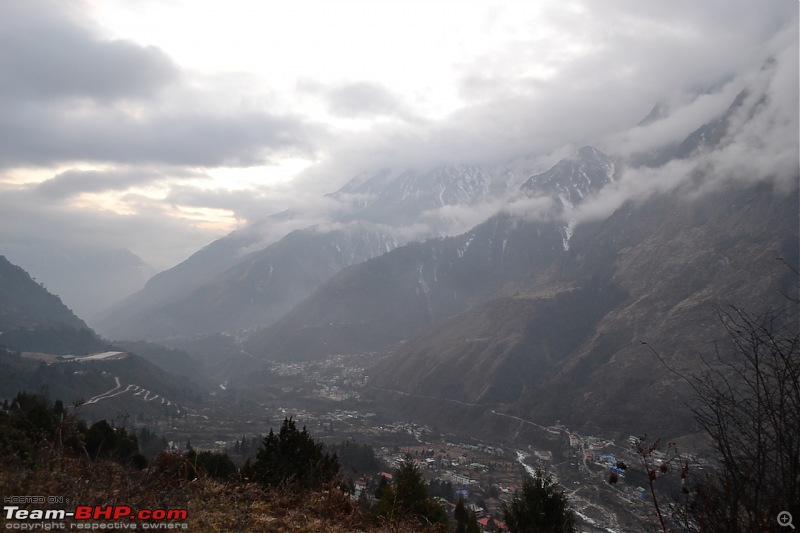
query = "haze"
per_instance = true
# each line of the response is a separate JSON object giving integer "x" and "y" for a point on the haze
{"x": 153, "y": 128}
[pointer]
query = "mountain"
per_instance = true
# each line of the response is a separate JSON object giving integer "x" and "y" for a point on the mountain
{"x": 26, "y": 303}
{"x": 392, "y": 297}
{"x": 32, "y": 319}
{"x": 532, "y": 315}
{"x": 574, "y": 178}
{"x": 123, "y": 385}
{"x": 401, "y": 199}
{"x": 259, "y": 289}
{"x": 652, "y": 272}
{"x": 370, "y": 306}
{"x": 35, "y": 321}
{"x": 214, "y": 258}
{"x": 241, "y": 281}
{"x": 706, "y": 137}
{"x": 87, "y": 278}
{"x": 177, "y": 362}
{"x": 571, "y": 180}
{"x": 180, "y": 280}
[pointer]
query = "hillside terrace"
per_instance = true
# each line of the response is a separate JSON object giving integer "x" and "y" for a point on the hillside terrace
{"x": 67, "y": 358}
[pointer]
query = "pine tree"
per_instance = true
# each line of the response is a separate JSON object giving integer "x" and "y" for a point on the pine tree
{"x": 540, "y": 507}
{"x": 408, "y": 497}
{"x": 461, "y": 515}
{"x": 472, "y": 523}
{"x": 292, "y": 457}
{"x": 383, "y": 486}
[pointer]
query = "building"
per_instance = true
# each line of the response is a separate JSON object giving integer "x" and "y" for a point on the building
{"x": 544, "y": 456}
{"x": 490, "y": 524}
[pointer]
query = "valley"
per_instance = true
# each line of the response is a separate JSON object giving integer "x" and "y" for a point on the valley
{"x": 481, "y": 320}
{"x": 333, "y": 398}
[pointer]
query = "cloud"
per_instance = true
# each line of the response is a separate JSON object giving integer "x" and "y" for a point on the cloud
{"x": 74, "y": 182}
{"x": 364, "y": 99}
{"x": 599, "y": 67}
{"x": 53, "y": 134}
{"x": 67, "y": 94}
{"x": 153, "y": 232}
{"x": 761, "y": 143}
{"x": 587, "y": 76}
{"x": 684, "y": 118}
{"x": 525, "y": 84}
{"x": 47, "y": 52}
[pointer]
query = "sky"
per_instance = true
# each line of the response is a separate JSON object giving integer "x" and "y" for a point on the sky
{"x": 159, "y": 126}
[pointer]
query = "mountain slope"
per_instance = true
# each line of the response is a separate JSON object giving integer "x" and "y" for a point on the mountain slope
{"x": 256, "y": 291}
{"x": 25, "y": 303}
{"x": 107, "y": 388}
{"x": 220, "y": 288}
{"x": 401, "y": 199}
{"x": 87, "y": 278}
{"x": 396, "y": 296}
{"x": 572, "y": 179}
{"x": 32, "y": 319}
{"x": 178, "y": 281}
{"x": 542, "y": 318}
{"x": 651, "y": 272}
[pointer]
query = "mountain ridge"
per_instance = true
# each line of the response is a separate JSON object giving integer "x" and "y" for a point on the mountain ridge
{"x": 426, "y": 282}
{"x": 577, "y": 298}
{"x": 26, "y": 303}
{"x": 669, "y": 303}
{"x": 386, "y": 209}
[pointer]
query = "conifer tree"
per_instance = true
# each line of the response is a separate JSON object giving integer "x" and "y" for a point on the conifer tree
{"x": 461, "y": 515}
{"x": 540, "y": 507}
{"x": 292, "y": 457}
{"x": 408, "y": 497}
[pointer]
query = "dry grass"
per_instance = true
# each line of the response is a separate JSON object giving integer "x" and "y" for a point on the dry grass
{"x": 212, "y": 506}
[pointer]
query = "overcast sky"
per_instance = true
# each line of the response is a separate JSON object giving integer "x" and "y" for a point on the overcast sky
{"x": 158, "y": 126}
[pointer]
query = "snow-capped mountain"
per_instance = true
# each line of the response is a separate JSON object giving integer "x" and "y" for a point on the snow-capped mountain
{"x": 520, "y": 317}
{"x": 573, "y": 178}
{"x": 245, "y": 280}
{"x": 392, "y": 199}
{"x": 401, "y": 293}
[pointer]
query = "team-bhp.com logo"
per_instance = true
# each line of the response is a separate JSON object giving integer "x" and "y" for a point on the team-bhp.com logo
{"x": 122, "y": 514}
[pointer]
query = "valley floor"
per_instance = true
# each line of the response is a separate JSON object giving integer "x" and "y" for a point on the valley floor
{"x": 331, "y": 399}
